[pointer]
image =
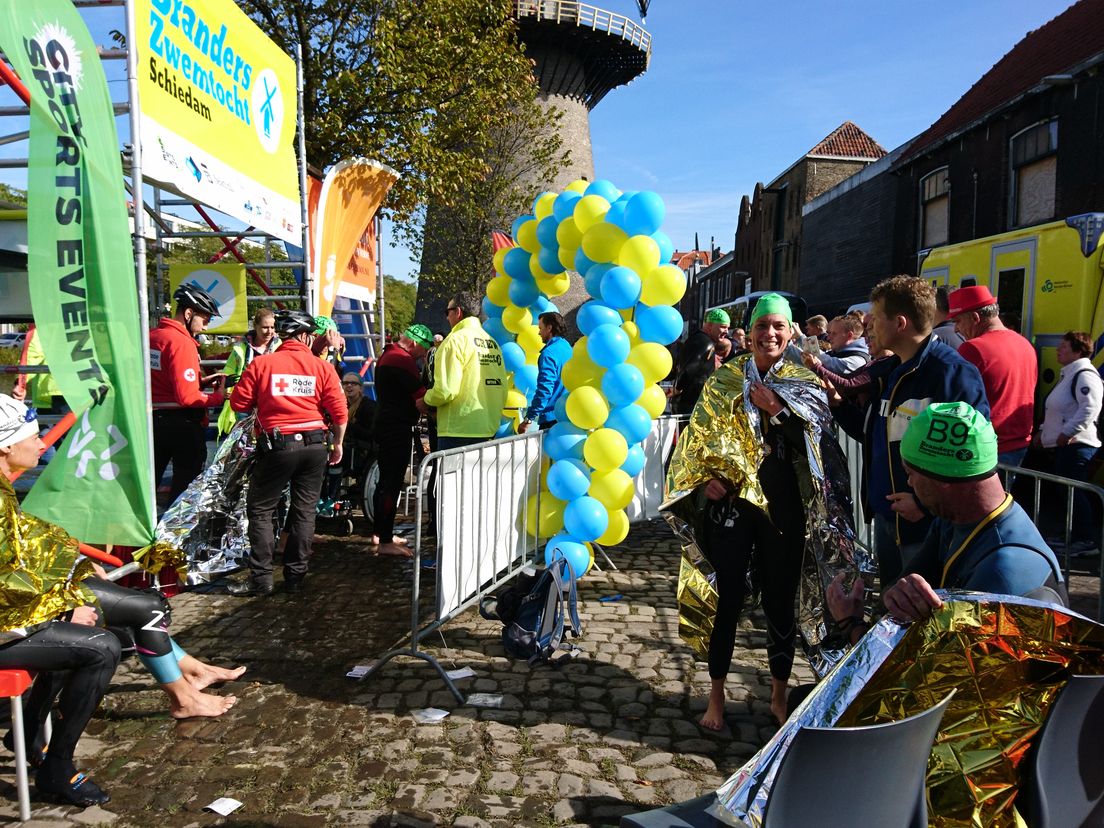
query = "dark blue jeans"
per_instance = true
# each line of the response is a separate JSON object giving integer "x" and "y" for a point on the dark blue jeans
{"x": 1072, "y": 461}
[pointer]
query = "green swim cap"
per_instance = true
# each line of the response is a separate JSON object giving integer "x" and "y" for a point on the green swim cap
{"x": 420, "y": 334}
{"x": 771, "y": 303}
{"x": 323, "y": 324}
{"x": 717, "y": 316}
{"x": 950, "y": 442}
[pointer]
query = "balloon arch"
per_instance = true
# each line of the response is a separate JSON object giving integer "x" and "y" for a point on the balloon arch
{"x": 614, "y": 240}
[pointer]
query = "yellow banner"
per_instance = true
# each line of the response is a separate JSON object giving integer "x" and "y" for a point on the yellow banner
{"x": 226, "y": 284}
{"x": 218, "y": 102}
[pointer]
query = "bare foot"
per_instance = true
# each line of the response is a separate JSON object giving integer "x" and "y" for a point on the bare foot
{"x": 778, "y": 700}
{"x": 714, "y": 710}
{"x": 202, "y": 704}
{"x": 209, "y": 674}
{"x": 394, "y": 550}
{"x": 779, "y": 711}
{"x": 400, "y": 540}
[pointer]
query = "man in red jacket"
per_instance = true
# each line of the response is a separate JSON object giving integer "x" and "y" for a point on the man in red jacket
{"x": 293, "y": 392}
{"x": 179, "y": 404}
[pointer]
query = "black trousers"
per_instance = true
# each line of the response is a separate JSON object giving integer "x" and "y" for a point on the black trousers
{"x": 393, "y": 458}
{"x": 776, "y": 553}
{"x": 139, "y": 617}
{"x": 303, "y": 467}
{"x": 179, "y": 436}
{"x": 85, "y": 658}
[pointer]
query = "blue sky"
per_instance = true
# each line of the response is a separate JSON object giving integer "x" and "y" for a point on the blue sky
{"x": 738, "y": 91}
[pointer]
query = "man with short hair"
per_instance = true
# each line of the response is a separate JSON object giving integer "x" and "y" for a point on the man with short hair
{"x": 923, "y": 370}
{"x": 697, "y": 359}
{"x": 550, "y": 363}
{"x": 739, "y": 342}
{"x": 980, "y": 539}
{"x": 399, "y": 389}
{"x": 817, "y": 325}
{"x": 849, "y": 351}
{"x": 469, "y": 379}
{"x": 1008, "y": 366}
{"x": 293, "y": 392}
{"x": 944, "y": 328}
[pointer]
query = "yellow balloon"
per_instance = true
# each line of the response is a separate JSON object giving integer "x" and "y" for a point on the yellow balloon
{"x": 653, "y": 400}
{"x": 614, "y": 489}
{"x": 626, "y": 314}
{"x": 578, "y": 373}
{"x": 518, "y": 319}
{"x": 499, "y": 258}
{"x": 527, "y": 236}
{"x": 603, "y": 241}
{"x": 589, "y": 210}
{"x": 664, "y": 285}
{"x": 567, "y": 258}
{"x": 498, "y": 290}
{"x": 579, "y": 185}
{"x": 542, "y": 207}
{"x": 651, "y": 358}
{"x": 586, "y": 407}
{"x": 605, "y": 449}
{"x": 537, "y": 271}
{"x": 515, "y": 400}
{"x": 641, "y": 253}
{"x": 554, "y": 284}
{"x": 632, "y": 332}
{"x": 569, "y": 237}
{"x": 545, "y": 518}
{"x": 616, "y": 531}
{"x": 530, "y": 339}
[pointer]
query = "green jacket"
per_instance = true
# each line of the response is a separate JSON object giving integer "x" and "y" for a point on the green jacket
{"x": 469, "y": 382}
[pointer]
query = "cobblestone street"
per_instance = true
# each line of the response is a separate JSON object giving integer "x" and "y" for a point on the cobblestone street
{"x": 610, "y": 732}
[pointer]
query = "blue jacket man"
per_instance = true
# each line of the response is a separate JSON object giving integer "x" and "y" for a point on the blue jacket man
{"x": 550, "y": 363}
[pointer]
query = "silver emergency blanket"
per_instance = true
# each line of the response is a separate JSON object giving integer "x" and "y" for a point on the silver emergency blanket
{"x": 208, "y": 522}
{"x": 1006, "y": 657}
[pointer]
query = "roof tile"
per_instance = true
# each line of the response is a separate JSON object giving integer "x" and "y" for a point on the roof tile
{"x": 848, "y": 141}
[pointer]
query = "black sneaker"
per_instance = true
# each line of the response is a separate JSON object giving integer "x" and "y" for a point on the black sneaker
{"x": 245, "y": 589}
{"x": 79, "y": 790}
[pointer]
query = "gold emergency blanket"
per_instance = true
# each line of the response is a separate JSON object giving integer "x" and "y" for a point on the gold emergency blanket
{"x": 158, "y": 556}
{"x": 697, "y": 600}
{"x": 1007, "y": 658}
{"x": 40, "y": 569}
{"x": 724, "y": 440}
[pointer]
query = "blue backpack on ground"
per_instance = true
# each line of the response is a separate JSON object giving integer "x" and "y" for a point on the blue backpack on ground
{"x": 546, "y": 613}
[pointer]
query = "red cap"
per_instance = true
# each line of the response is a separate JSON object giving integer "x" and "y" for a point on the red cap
{"x": 969, "y": 299}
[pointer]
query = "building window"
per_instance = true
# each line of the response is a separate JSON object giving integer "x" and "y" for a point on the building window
{"x": 1034, "y": 158}
{"x": 935, "y": 199}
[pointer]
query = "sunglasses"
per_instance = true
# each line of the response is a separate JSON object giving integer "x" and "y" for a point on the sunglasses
{"x": 450, "y": 310}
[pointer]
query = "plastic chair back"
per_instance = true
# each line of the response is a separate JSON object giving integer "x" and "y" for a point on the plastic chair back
{"x": 1066, "y": 788}
{"x": 816, "y": 785}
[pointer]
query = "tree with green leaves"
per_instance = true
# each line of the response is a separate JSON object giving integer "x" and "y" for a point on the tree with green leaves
{"x": 398, "y": 306}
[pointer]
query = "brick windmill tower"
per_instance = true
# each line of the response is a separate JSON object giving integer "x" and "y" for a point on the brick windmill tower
{"x": 581, "y": 53}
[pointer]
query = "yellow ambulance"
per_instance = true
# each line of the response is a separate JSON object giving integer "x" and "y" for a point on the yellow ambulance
{"x": 1051, "y": 276}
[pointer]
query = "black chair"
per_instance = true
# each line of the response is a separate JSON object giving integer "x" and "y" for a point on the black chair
{"x": 815, "y": 785}
{"x": 688, "y": 814}
{"x": 1065, "y": 785}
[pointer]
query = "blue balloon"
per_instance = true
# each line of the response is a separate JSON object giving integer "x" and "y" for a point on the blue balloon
{"x": 568, "y": 479}
{"x": 520, "y": 220}
{"x": 586, "y": 518}
{"x": 605, "y": 189}
{"x": 523, "y": 293}
{"x": 592, "y": 314}
{"x": 525, "y": 378}
{"x": 666, "y": 246}
{"x": 644, "y": 213}
{"x": 592, "y": 279}
{"x": 564, "y": 441}
{"x": 616, "y": 214}
{"x": 564, "y": 205}
{"x": 575, "y": 553}
{"x": 505, "y": 428}
{"x": 549, "y": 260}
{"x": 541, "y": 305}
{"x": 622, "y": 384}
{"x": 582, "y": 263}
{"x": 621, "y": 287}
{"x": 662, "y": 324}
{"x": 560, "y": 409}
{"x": 498, "y": 331}
{"x": 491, "y": 310}
{"x": 516, "y": 265}
{"x": 631, "y": 421}
{"x": 608, "y": 345}
{"x": 513, "y": 357}
{"x": 634, "y": 463}
{"x": 546, "y": 232}
{"x": 627, "y": 195}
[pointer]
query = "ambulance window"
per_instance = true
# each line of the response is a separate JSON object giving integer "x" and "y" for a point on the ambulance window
{"x": 1010, "y": 290}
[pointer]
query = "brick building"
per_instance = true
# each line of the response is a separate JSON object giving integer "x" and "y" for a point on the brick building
{"x": 769, "y": 231}
{"x": 1025, "y": 144}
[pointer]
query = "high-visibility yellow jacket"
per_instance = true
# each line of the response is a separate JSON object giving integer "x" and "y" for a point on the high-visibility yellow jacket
{"x": 469, "y": 382}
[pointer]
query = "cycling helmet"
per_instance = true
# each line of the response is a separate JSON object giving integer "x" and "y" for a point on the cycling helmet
{"x": 293, "y": 322}
{"x": 194, "y": 297}
{"x": 323, "y": 324}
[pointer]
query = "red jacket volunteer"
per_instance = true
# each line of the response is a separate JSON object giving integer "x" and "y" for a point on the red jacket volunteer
{"x": 174, "y": 368}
